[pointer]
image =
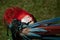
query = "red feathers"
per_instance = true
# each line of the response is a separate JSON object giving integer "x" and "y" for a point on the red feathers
{"x": 15, "y": 12}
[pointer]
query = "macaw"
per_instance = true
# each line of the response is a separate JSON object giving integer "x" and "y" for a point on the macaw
{"x": 23, "y": 25}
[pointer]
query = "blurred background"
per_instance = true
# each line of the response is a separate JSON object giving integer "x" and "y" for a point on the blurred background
{"x": 41, "y": 9}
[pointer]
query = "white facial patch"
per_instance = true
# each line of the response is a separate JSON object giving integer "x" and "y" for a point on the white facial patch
{"x": 26, "y": 19}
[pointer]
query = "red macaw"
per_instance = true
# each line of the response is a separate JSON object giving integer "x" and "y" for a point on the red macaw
{"x": 35, "y": 28}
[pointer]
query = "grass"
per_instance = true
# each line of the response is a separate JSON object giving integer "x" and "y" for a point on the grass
{"x": 41, "y": 9}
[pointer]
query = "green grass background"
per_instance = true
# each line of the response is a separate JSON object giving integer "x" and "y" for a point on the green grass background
{"x": 41, "y": 9}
